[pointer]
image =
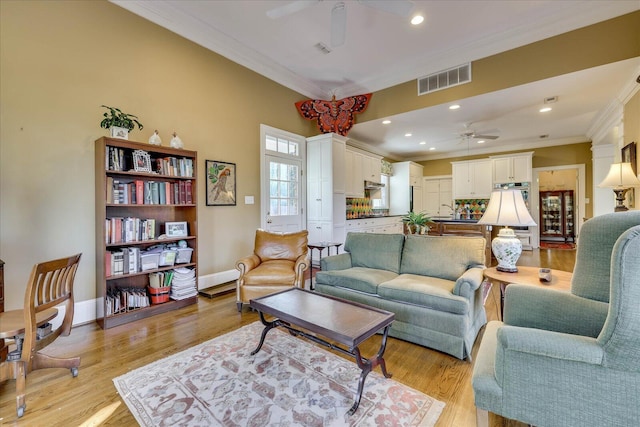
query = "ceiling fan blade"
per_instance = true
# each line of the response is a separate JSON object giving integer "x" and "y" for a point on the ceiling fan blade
{"x": 290, "y": 8}
{"x": 338, "y": 24}
{"x": 397, "y": 7}
{"x": 485, "y": 136}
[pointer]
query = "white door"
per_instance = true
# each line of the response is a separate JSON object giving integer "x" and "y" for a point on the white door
{"x": 282, "y": 186}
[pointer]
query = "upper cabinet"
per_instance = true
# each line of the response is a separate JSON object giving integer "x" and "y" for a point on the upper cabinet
{"x": 360, "y": 166}
{"x": 472, "y": 179}
{"x": 512, "y": 168}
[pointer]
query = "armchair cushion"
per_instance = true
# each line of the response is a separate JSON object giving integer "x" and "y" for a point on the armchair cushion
{"x": 271, "y": 272}
{"x": 280, "y": 246}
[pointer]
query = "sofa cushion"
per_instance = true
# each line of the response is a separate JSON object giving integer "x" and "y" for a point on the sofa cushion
{"x": 356, "y": 278}
{"x": 379, "y": 251}
{"x": 282, "y": 246}
{"x": 431, "y": 292}
{"x": 446, "y": 257}
{"x": 271, "y": 272}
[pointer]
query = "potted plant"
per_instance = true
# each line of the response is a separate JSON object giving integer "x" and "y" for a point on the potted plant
{"x": 417, "y": 223}
{"x": 119, "y": 123}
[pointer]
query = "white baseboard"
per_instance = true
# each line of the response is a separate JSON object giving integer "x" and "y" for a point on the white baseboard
{"x": 217, "y": 278}
{"x": 85, "y": 311}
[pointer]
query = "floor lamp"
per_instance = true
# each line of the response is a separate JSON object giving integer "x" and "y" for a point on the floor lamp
{"x": 507, "y": 208}
{"x": 621, "y": 178}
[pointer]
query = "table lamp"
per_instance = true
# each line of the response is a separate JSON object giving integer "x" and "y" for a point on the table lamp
{"x": 507, "y": 208}
{"x": 621, "y": 178}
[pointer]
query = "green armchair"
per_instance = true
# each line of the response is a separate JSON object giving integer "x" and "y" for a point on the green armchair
{"x": 570, "y": 359}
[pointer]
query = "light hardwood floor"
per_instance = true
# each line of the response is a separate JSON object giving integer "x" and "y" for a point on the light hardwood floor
{"x": 54, "y": 398}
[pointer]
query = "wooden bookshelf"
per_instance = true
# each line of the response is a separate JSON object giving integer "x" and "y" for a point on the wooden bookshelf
{"x": 181, "y": 208}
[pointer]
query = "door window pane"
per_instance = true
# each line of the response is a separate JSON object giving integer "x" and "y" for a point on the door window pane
{"x": 283, "y": 189}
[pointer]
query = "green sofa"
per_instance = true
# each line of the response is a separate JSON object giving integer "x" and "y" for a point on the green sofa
{"x": 431, "y": 283}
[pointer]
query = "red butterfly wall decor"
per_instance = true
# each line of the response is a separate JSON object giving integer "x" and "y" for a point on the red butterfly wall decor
{"x": 335, "y": 115}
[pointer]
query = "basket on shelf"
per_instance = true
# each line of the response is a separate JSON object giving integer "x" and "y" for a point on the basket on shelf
{"x": 159, "y": 295}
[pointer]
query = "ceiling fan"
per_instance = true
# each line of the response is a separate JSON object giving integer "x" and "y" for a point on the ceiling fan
{"x": 470, "y": 133}
{"x": 339, "y": 13}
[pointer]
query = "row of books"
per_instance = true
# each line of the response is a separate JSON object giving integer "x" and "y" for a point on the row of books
{"x": 125, "y": 261}
{"x": 140, "y": 192}
{"x": 121, "y": 300}
{"x": 121, "y": 160}
{"x": 173, "y": 166}
{"x": 125, "y": 230}
{"x": 161, "y": 279}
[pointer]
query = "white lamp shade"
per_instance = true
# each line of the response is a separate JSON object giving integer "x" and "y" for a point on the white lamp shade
{"x": 620, "y": 176}
{"x": 507, "y": 207}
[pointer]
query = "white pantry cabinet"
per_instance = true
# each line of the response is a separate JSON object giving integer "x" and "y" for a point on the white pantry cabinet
{"x": 512, "y": 168}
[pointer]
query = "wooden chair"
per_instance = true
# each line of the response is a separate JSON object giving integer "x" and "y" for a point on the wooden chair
{"x": 50, "y": 285}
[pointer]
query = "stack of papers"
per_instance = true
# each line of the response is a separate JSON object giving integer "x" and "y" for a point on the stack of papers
{"x": 183, "y": 284}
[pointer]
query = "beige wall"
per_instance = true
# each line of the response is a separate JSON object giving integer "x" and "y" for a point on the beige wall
{"x": 60, "y": 61}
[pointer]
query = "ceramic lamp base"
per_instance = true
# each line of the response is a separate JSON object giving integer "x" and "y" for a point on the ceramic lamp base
{"x": 506, "y": 248}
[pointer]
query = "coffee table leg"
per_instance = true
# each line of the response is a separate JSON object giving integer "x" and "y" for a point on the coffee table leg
{"x": 267, "y": 327}
{"x": 367, "y": 365}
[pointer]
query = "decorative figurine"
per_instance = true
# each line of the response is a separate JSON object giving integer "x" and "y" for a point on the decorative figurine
{"x": 176, "y": 142}
{"x": 155, "y": 138}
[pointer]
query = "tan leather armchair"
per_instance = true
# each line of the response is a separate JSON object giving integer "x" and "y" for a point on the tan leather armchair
{"x": 278, "y": 262}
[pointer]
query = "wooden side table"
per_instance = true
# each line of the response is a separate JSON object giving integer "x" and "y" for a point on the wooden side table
{"x": 320, "y": 246}
{"x": 560, "y": 280}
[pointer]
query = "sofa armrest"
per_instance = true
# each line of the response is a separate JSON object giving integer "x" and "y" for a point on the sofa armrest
{"x": 534, "y": 307}
{"x": 247, "y": 264}
{"x": 469, "y": 282}
{"x": 336, "y": 262}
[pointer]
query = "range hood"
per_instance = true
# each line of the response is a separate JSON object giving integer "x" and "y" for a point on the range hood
{"x": 370, "y": 185}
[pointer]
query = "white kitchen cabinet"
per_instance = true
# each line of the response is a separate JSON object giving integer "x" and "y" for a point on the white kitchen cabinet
{"x": 407, "y": 177}
{"x": 512, "y": 168}
{"x": 326, "y": 201}
{"x": 360, "y": 166}
{"x": 437, "y": 192}
{"x": 382, "y": 225}
{"x": 472, "y": 179}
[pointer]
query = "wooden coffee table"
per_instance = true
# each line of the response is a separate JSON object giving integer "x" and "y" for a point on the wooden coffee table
{"x": 560, "y": 280}
{"x": 344, "y": 322}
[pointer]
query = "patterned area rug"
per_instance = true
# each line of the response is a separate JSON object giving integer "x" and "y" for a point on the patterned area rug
{"x": 557, "y": 245}
{"x": 290, "y": 382}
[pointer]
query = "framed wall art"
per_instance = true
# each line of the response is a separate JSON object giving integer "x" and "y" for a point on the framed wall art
{"x": 141, "y": 161}
{"x": 629, "y": 156}
{"x": 221, "y": 183}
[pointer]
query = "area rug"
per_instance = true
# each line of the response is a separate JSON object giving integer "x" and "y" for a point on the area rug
{"x": 289, "y": 382}
{"x": 557, "y": 245}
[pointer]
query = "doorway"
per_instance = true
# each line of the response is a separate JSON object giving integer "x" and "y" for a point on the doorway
{"x": 282, "y": 187}
{"x": 556, "y": 179}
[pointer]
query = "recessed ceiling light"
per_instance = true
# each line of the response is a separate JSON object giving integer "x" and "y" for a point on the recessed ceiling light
{"x": 386, "y": 122}
{"x": 407, "y": 134}
{"x": 481, "y": 141}
{"x": 432, "y": 148}
{"x": 454, "y": 107}
{"x": 423, "y": 142}
{"x": 417, "y": 20}
{"x": 545, "y": 109}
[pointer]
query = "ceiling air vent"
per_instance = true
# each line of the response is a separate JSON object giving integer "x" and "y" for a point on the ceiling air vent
{"x": 444, "y": 79}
